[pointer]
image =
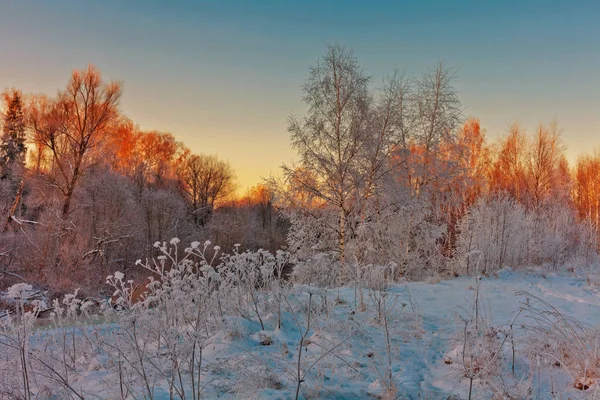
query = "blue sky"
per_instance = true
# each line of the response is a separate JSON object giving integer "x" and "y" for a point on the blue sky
{"x": 223, "y": 76}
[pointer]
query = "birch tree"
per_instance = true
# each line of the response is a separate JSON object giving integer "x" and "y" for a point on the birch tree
{"x": 437, "y": 115}
{"x": 546, "y": 154}
{"x": 330, "y": 138}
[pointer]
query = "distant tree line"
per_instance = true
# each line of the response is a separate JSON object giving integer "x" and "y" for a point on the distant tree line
{"x": 388, "y": 174}
{"x": 395, "y": 175}
{"x": 83, "y": 191}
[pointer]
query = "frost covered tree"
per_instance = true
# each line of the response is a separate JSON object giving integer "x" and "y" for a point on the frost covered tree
{"x": 330, "y": 138}
{"x": 508, "y": 170}
{"x": 12, "y": 142}
{"x": 437, "y": 114}
{"x": 586, "y": 188}
{"x": 500, "y": 232}
{"x": 362, "y": 151}
{"x": 546, "y": 167}
{"x": 495, "y": 233}
{"x": 404, "y": 234}
{"x": 533, "y": 170}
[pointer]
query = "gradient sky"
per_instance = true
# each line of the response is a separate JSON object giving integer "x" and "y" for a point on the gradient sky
{"x": 223, "y": 76}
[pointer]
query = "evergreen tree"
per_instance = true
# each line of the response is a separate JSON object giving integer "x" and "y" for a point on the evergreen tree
{"x": 12, "y": 142}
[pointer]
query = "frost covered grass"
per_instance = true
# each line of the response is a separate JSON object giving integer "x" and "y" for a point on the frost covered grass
{"x": 211, "y": 325}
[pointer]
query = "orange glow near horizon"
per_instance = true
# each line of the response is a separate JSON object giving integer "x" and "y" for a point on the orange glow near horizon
{"x": 224, "y": 79}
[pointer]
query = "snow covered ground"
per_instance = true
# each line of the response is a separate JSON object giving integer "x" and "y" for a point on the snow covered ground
{"x": 435, "y": 345}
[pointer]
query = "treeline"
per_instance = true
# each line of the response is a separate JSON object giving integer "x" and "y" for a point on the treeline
{"x": 389, "y": 175}
{"x": 394, "y": 176}
{"x": 84, "y": 192}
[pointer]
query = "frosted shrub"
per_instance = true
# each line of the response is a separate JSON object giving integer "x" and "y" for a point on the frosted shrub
{"x": 407, "y": 236}
{"x": 322, "y": 270}
{"x": 497, "y": 228}
{"x": 508, "y": 235}
{"x": 40, "y": 363}
{"x": 555, "y": 234}
{"x": 15, "y": 336}
{"x": 252, "y": 277}
{"x": 162, "y": 335}
{"x": 378, "y": 277}
{"x": 587, "y": 245}
{"x": 399, "y": 229}
{"x": 310, "y": 234}
{"x": 557, "y": 340}
{"x": 190, "y": 297}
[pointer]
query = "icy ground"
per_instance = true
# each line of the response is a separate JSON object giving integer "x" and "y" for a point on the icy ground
{"x": 345, "y": 355}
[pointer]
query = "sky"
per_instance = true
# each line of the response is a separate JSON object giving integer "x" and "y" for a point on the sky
{"x": 224, "y": 76}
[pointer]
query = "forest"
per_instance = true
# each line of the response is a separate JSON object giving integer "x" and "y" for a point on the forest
{"x": 388, "y": 175}
{"x": 108, "y": 228}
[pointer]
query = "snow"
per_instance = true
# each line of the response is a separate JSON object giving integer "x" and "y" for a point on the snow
{"x": 345, "y": 351}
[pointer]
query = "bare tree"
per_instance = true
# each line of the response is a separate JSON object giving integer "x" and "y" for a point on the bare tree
{"x": 508, "y": 171}
{"x": 330, "y": 138}
{"x": 153, "y": 158}
{"x": 586, "y": 190}
{"x": 544, "y": 164}
{"x": 387, "y": 138}
{"x": 437, "y": 115}
{"x": 70, "y": 126}
{"x": 206, "y": 182}
{"x": 42, "y": 121}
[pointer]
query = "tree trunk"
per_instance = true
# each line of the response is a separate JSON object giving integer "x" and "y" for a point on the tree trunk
{"x": 13, "y": 209}
{"x": 342, "y": 244}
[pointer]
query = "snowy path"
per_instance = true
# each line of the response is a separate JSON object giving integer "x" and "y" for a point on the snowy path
{"x": 419, "y": 351}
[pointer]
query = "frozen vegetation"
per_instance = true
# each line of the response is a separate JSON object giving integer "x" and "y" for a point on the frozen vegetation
{"x": 233, "y": 326}
{"x": 407, "y": 257}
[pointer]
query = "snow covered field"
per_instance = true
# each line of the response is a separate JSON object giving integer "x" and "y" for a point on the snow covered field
{"x": 414, "y": 340}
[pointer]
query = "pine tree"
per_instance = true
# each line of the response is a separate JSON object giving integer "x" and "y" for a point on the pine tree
{"x": 12, "y": 142}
